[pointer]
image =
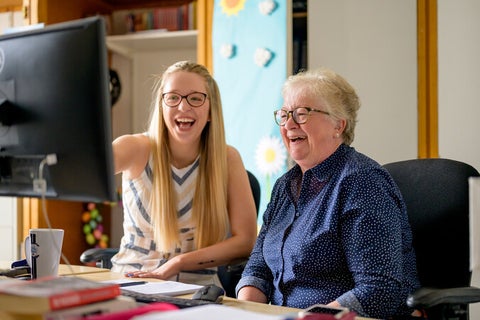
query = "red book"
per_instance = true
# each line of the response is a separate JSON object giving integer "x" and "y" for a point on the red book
{"x": 166, "y": 18}
{"x": 52, "y": 293}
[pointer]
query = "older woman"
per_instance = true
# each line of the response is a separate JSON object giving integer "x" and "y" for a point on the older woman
{"x": 336, "y": 230}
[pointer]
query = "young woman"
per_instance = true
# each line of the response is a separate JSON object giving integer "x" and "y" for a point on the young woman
{"x": 186, "y": 195}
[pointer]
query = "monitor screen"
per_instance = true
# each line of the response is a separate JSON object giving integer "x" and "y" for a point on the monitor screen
{"x": 55, "y": 127}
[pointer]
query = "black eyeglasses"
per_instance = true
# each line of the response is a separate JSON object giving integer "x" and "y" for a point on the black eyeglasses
{"x": 299, "y": 115}
{"x": 194, "y": 99}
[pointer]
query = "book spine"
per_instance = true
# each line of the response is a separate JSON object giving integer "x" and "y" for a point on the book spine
{"x": 81, "y": 297}
{"x": 93, "y": 309}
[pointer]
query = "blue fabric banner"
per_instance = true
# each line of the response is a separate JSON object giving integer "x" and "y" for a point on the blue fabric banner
{"x": 250, "y": 66}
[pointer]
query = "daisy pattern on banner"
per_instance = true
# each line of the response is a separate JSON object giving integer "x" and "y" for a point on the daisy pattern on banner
{"x": 270, "y": 157}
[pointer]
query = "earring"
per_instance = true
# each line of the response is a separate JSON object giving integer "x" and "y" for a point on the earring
{"x": 337, "y": 135}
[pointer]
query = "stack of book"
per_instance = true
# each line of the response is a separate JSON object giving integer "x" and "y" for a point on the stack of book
{"x": 166, "y": 18}
{"x": 56, "y": 298}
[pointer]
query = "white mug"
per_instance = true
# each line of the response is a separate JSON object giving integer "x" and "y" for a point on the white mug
{"x": 43, "y": 249}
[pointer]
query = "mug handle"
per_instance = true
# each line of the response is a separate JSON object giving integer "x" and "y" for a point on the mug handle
{"x": 28, "y": 256}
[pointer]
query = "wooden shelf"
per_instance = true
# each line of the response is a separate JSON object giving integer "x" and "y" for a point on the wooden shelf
{"x": 130, "y": 4}
{"x": 10, "y": 5}
{"x": 152, "y": 40}
{"x": 299, "y": 15}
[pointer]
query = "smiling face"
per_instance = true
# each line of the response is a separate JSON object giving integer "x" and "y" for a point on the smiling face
{"x": 184, "y": 122}
{"x": 312, "y": 142}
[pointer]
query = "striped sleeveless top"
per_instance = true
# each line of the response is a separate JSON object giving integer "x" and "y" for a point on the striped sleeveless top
{"x": 138, "y": 248}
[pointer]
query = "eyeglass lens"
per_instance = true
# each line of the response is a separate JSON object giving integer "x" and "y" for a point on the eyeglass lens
{"x": 299, "y": 115}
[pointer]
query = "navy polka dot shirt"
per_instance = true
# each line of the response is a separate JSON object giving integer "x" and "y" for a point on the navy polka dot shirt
{"x": 338, "y": 232}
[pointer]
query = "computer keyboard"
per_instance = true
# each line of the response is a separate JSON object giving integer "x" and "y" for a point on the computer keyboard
{"x": 179, "y": 302}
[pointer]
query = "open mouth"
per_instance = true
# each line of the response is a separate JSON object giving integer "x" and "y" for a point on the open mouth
{"x": 296, "y": 139}
{"x": 184, "y": 123}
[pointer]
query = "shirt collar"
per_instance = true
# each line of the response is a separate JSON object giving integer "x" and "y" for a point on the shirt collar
{"x": 323, "y": 170}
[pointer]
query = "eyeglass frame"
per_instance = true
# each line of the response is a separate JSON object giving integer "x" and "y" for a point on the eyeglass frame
{"x": 205, "y": 96}
{"x": 291, "y": 114}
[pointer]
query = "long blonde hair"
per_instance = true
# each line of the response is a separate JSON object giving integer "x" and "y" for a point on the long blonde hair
{"x": 209, "y": 211}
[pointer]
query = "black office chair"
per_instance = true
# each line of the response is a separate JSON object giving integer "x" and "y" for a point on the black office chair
{"x": 229, "y": 275}
{"x": 436, "y": 193}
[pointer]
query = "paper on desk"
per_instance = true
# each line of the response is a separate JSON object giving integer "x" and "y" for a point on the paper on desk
{"x": 210, "y": 312}
{"x": 474, "y": 207}
{"x": 168, "y": 288}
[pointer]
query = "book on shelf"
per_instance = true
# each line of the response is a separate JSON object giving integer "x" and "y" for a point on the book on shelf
{"x": 52, "y": 293}
{"x": 115, "y": 305}
{"x": 172, "y": 18}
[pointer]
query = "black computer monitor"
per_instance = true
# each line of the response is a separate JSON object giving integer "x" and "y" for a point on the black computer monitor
{"x": 55, "y": 103}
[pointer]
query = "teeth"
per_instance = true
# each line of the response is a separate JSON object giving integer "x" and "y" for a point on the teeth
{"x": 295, "y": 139}
{"x": 184, "y": 120}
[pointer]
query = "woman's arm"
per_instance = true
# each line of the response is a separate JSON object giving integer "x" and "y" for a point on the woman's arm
{"x": 251, "y": 294}
{"x": 373, "y": 242}
{"x": 256, "y": 283}
{"x": 130, "y": 154}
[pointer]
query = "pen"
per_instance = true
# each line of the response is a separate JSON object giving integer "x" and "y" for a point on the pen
{"x": 134, "y": 283}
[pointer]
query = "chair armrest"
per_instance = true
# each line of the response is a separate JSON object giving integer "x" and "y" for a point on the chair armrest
{"x": 429, "y": 297}
{"x": 100, "y": 255}
{"x": 236, "y": 265}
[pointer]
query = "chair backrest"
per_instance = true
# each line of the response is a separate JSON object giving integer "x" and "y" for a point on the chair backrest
{"x": 255, "y": 186}
{"x": 436, "y": 195}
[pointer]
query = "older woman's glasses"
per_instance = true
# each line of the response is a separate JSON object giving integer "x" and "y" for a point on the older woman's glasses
{"x": 299, "y": 115}
{"x": 194, "y": 99}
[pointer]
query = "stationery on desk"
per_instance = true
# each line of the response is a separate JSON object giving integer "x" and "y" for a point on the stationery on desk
{"x": 167, "y": 288}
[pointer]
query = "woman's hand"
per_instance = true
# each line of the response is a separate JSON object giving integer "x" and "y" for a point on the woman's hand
{"x": 166, "y": 271}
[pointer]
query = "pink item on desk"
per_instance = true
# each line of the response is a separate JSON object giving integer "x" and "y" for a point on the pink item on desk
{"x": 128, "y": 314}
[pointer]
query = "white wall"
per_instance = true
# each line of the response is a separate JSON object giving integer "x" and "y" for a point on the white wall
{"x": 372, "y": 43}
{"x": 8, "y": 229}
{"x": 459, "y": 80}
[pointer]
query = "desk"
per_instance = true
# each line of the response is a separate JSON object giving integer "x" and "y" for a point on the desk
{"x": 99, "y": 274}
{"x": 227, "y": 301}
{"x": 65, "y": 270}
